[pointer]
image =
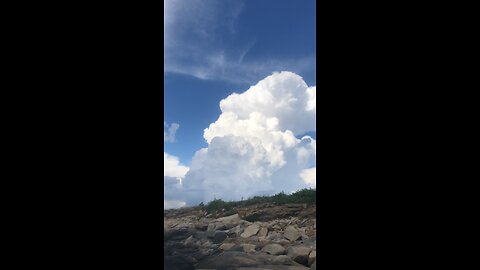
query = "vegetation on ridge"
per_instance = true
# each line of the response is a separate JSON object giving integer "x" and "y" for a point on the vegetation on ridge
{"x": 307, "y": 196}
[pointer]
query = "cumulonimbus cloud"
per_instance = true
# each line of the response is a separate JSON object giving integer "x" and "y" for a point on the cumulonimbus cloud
{"x": 253, "y": 146}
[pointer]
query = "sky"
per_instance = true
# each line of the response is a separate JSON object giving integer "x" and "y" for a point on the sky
{"x": 240, "y": 98}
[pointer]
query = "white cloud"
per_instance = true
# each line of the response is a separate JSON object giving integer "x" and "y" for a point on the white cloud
{"x": 309, "y": 176}
{"x": 169, "y": 131}
{"x": 173, "y": 171}
{"x": 284, "y": 96}
{"x": 252, "y": 148}
{"x": 172, "y": 166}
{"x": 169, "y": 204}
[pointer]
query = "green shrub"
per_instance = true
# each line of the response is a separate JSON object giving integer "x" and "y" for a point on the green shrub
{"x": 306, "y": 195}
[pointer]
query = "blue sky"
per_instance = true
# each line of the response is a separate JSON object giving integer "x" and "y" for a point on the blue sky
{"x": 214, "y": 48}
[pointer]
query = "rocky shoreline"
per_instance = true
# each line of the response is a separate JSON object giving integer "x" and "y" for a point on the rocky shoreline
{"x": 258, "y": 237}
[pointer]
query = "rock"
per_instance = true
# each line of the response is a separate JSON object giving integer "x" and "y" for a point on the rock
{"x": 314, "y": 266}
{"x": 299, "y": 254}
{"x": 282, "y": 259}
{"x": 273, "y": 235}
{"x": 311, "y": 242}
{"x": 274, "y": 249}
{"x": 201, "y": 226}
{"x": 263, "y": 232}
{"x": 210, "y": 234}
{"x": 220, "y": 227}
{"x": 228, "y": 259}
{"x": 219, "y": 236}
{"x": 226, "y": 246}
{"x": 291, "y": 233}
{"x": 207, "y": 244}
{"x": 233, "y": 219}
{"x": 282, "y": 241}
{"x": 271, "y": 267}
{"x": 250, "y": 230}
{"x": 248, "y": 248}
{"x": 236, "y": 231}
{"x": 200, "y": 235}
{"x": 237, "y": 248}
{"x": 179, "y": 262}
{"x": 190, "y": 241}
{"x": 253, "y": 239}
{"x": 178, "y": 234}
{"x": 312, "y": 257}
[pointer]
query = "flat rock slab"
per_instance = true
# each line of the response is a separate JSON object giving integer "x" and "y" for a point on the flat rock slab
{"x": 274, "y": 249}
{"x": 250, "y": 231}
{"x": 291, "y": 233}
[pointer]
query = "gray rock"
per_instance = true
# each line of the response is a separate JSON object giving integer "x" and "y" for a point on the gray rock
{"x": 236, "y": 231}
{"x": 219, "y": 236}
{"x": 228, "y": 259}
{"x": 273, "y": 267}
{"x": 282, "y": 259}
{"x": 210, "y": 233}
{"x": 226, "y": 246}
{"x": 291, "y": 233}
{"x": 250, "y": 231}
{"x": 199, "y": 235}
{"x": 230, "y": 219}
{"x": 263, "y": 232}
{"x": 299, "y": 254}
{"x": 249, "y": 248}
{"x": 312, "y": 257}
{"x": 273, "y": 235}
{"x": 190, "y": 241}
{"x": 274, "y": 249}
{"x": 314, "y": 266}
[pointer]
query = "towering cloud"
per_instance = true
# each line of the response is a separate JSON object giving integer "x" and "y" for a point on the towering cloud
{"x": 253, "y": 147}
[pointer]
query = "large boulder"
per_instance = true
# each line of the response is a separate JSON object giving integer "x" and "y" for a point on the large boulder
{"x": 299, "y": 254}
{"x": 283, "y": 259}
{"x": 232, "y": 259}
{"x": 274, "y": 249}
{"x": 232, "y": 220}
{"x": 228, "y": 259}
{"x": 272, "y": 267}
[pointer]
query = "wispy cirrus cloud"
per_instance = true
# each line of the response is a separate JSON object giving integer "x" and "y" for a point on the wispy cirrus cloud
{"x": 169, "y": 131}
{"x": 201, "y": 40}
